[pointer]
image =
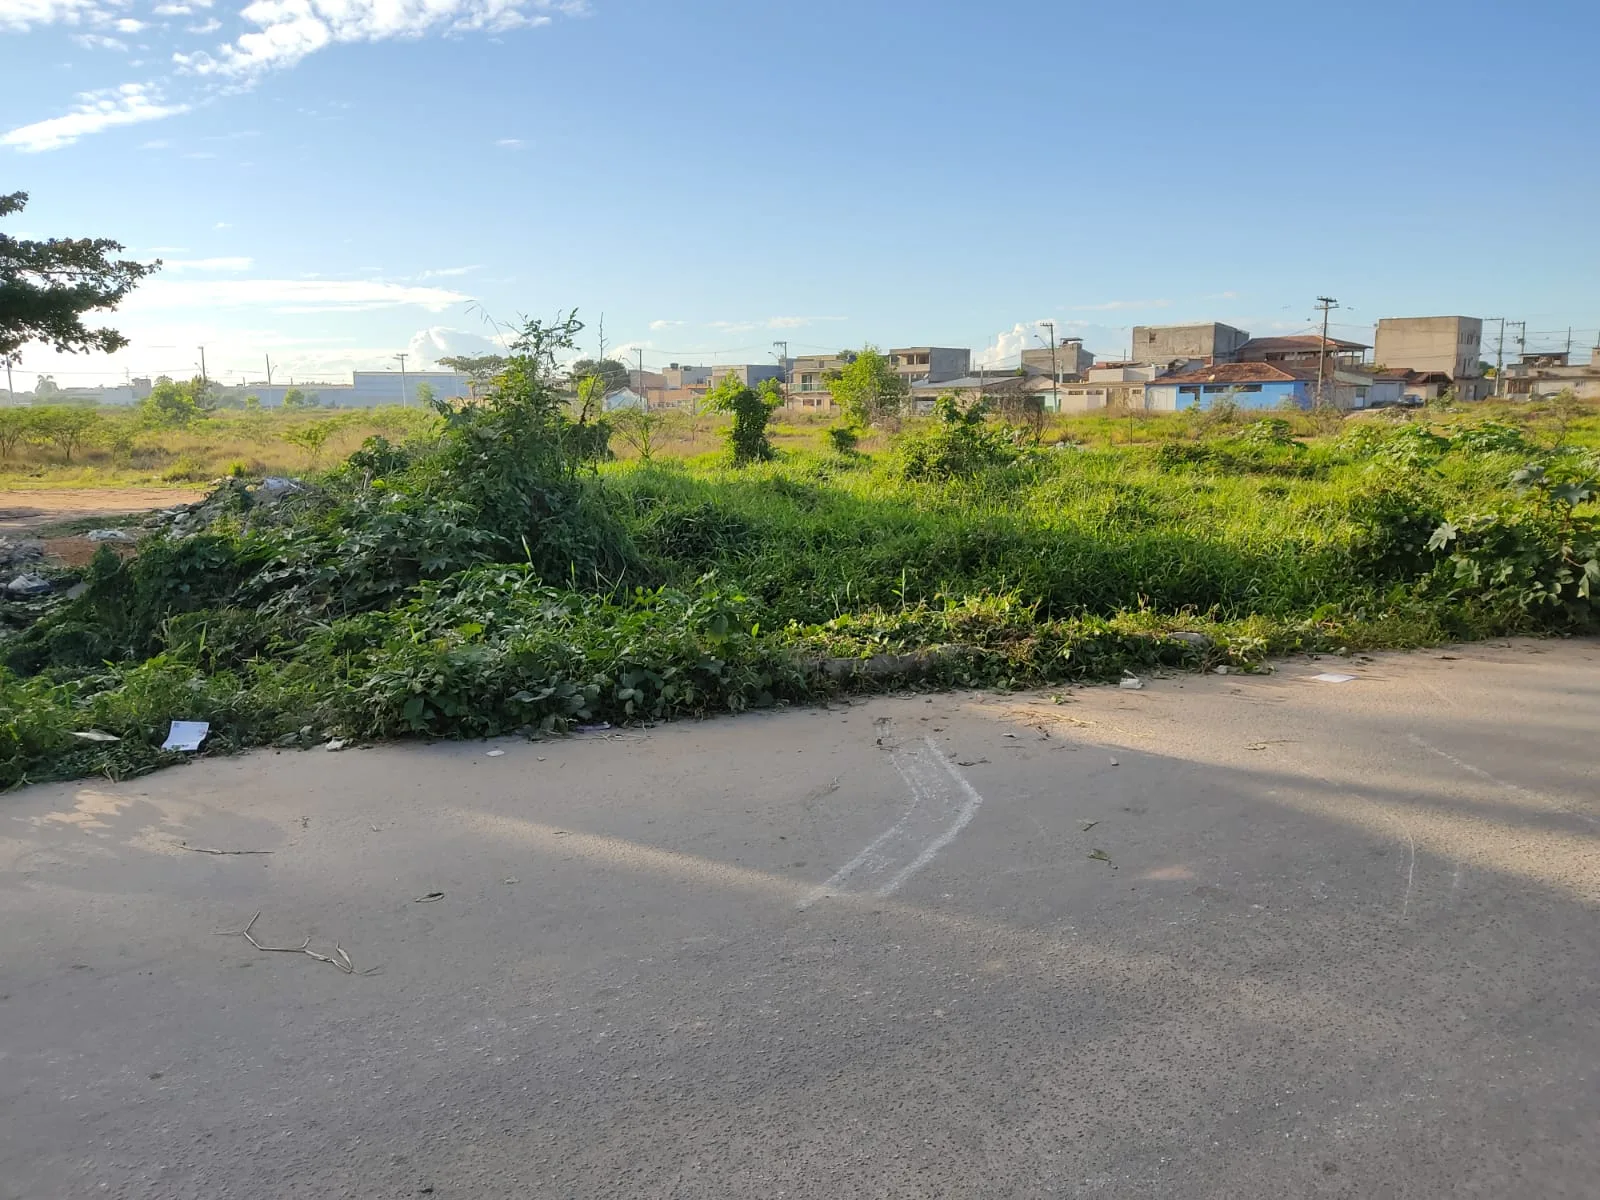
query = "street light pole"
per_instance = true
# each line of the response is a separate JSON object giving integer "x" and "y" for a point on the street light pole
{"x": 404, "y": 398}
{"x": 1055, "y": 368}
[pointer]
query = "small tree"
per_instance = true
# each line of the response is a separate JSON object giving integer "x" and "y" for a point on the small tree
{"x": 480, "y": 368}
{"x": 172, "y": 404}
{"x": 870, "y": 390}
{"x": 426, "y": 393}
{"x": 66, "y": 427}
{"x": 640, "y": 428}
{"x": 312, "y": 438}
{"x": 1565, "y": 408}
{"x": 296, "y": 398}
{"x": 15, "y": 426}
{"x": 751, "y": 408}
{"x": 613, "y": 375}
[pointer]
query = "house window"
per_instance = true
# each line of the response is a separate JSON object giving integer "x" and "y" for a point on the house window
{"x": 1249, "y": 387}
{"x": 1189, "y": 390}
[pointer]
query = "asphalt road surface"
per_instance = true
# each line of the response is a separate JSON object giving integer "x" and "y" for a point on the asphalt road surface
{"x": 1259, "y": 936}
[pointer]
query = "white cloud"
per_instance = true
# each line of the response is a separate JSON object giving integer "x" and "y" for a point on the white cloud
{"x": 1007, "y": 347}
{"x": 98, "y": 41}
{"x": 129, "y": 104}
{"x": 769, "y": 323}
{"x": 18, "y": 16}
{"x": 290, "y": 295}
{"x": 289, "y": 30}
{"x": 210, "y": 25}
{"x": 440, "y": 341}
{"x": 129, "y": 25}
{"x": 211, "y": 264}
{"x": 447, "y": 272}
{"x": 658, "y": 326}
{"x": 510, "y": 143}
{"x": 1118, "y": 305}
{"x": 223, "y": 225}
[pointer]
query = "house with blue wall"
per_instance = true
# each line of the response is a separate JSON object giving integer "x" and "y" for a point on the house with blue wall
{"x": 1248, "y": 384}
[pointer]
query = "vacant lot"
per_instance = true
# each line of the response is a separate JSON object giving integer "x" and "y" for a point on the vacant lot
{"x": 498, "y": 570}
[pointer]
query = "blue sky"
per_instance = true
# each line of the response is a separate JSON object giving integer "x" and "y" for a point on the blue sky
{"x": 336, "y": 181}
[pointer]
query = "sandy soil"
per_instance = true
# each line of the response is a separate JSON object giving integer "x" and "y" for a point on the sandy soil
{"x": 26, "y": 513}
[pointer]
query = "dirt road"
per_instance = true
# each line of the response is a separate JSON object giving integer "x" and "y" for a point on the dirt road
{"x": 29, "y": 514}
{"x": 1222, "y": 937}
{"x": 24, "y": 512}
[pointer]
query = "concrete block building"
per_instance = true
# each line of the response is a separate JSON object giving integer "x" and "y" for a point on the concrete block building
{"x": 1210, "y": 342}
{"x": 931, "y": 364}
{"x": 1449, "y": 346}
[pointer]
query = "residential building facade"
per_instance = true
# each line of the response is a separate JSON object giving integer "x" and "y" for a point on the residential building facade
{"x": 1258, "y": 386}
{"x": 1451, "y": 346}
{"x": 1069, "y": 360}
{"x": 749, "y": 374}
{"x": 1539, "y": 376}
{"x": 931, "y": 364}
{"x": 1211, "y": 342}
{"x": 808, "y": 378}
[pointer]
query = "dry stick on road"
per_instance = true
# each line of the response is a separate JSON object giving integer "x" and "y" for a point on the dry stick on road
{"x": 208, "y": 850}
{"x": 342, "y": 962}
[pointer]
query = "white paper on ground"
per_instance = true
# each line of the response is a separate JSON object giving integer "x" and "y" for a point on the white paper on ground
{"x": 1330, "y": 677}
{"x": 186, "y": 735}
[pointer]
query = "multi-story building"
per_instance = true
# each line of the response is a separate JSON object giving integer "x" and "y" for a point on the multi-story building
{"x": 931, "y": 364}
{"x": 1540, "y": 376}
{"x": 749, "y": 374}
{"x": 1210, "y": 342}
{"x": 1069, "y": 360}
{"x": 1450, "y": 346}
{"x": 808, "y": 378}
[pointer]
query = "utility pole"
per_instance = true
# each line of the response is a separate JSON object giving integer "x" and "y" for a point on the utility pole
{"x": 1500, "y": 358}
{"x": 404, "y": 399}
{"x": 205, "y": 381}
{"x": 1055, "y": 369}
{"x": 642, "y": 395}
{"x": 1327, "y": 304}
{"x": 783, "y": 360}
{"x": 269, "y": 370}
{"x": 11, "y": 395}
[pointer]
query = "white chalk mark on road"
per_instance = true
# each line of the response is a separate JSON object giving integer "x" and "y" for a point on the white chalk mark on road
{"x": 1526, "y": 795}
{"x": 942, "y": 805}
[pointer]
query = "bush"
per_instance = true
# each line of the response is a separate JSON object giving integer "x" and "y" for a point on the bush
{"x": 843, "y": 439}
{"x": 959, "y": 445}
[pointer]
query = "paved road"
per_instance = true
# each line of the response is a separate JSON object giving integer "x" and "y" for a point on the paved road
{"x": 1222, "y": 937}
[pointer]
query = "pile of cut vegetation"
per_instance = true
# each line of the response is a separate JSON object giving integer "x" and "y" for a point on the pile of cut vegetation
{"x": 500, "y": 575}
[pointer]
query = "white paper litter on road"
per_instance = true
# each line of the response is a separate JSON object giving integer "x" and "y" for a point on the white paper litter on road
{"x": 186, "y": 735}
{"x": 1330, "y": 677}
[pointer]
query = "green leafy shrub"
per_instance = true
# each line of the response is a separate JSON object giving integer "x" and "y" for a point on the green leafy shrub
{"x": 751, "y": 408}
{"x": 843, "y": 439}
{"x": 959, "y": 444}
